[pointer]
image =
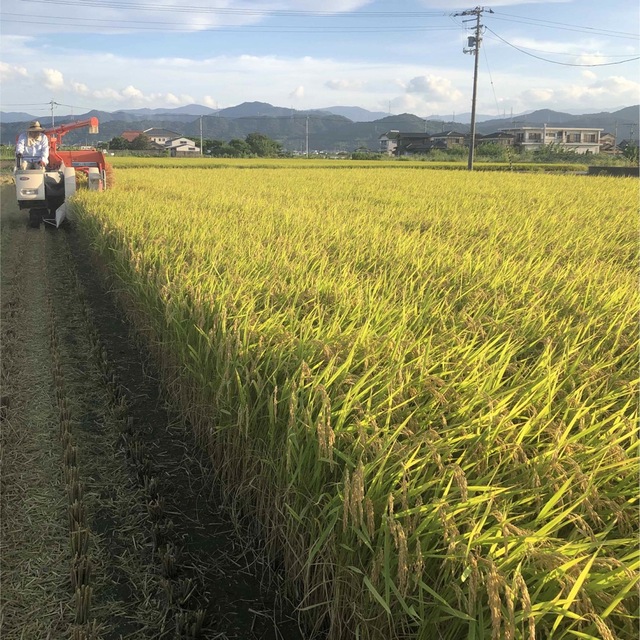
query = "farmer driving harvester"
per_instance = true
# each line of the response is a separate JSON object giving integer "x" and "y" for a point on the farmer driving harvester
{"x": 45, "y": 174}
{"x": 32, "y": 148}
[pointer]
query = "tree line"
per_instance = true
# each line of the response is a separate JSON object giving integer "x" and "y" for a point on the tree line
{"x": 253, "y": 145}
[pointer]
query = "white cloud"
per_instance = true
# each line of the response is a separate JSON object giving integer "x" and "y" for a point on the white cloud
{"x": 406, "y": 103}
{"x": 109, "y": 81}
{"x": 172, "y": 99}
{"x": 107, "y": 94}
{"x": 538, "y": 96}
{"x": 613, "y": 89}
{"x": 10, "y": 71}
{"x": 591, "y": 58}
{"x": 562, "y": 47}
{"x": 345, "y": 85}
{"x": 53, "y": 79}
{"x": 582, "y": 52}
{"x": 133, "y": 94}
{"x": 615, "y": 86}
{"x": 433, "y": 88}
{"x": 80, "y": 88}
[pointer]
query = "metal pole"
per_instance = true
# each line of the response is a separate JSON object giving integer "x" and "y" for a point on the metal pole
{"x": 307, "y": 137}
{"x": 476, "y": 51}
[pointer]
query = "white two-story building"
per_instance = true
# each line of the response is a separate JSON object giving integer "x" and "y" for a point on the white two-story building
{"x": 182, "y": 147}
{"x": 578, "y": 139}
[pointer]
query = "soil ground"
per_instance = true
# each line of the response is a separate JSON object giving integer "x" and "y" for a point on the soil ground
{"x": 111, "y": 526}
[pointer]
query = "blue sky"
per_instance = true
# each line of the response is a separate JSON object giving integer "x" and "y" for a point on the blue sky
{"x": 382, "y": 55}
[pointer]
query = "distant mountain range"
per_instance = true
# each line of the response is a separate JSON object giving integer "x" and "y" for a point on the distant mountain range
{"x": 357, "y": 114}
{"x": 331, "y": 128}
{"x": 466, "y": 117}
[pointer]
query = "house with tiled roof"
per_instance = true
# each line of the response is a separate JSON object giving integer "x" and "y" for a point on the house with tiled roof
{"x": 499, "y": 137}
{"x": 398, "y": 143}
{"x": 448, "y": 139}
{"x": 160, "y": 136}
{"x": 608, "y": 143}
{"x": 130, "y": 135}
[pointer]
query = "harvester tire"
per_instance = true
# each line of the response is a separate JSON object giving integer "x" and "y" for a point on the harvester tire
{"x": 35, "y": 218}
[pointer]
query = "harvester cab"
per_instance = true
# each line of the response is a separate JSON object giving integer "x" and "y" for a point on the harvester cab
{"x": 45, "y": 193}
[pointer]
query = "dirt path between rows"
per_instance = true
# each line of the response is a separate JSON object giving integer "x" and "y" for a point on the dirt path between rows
{"x": 111, "y": 527}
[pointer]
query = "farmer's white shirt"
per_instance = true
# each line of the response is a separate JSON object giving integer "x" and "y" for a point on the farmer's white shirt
{"x": 35, "y": 151}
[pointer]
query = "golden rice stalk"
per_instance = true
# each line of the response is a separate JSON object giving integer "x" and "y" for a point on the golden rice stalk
{"x": 525, "y": 600}
{"x": 495, "y": 604}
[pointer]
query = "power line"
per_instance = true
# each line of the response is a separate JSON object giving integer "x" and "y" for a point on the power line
{"x": 565, "y": 53}
{"x": 26, "y": 104}
{"x": 117, "y": 23}
{"x": 198, "y": 9}
{"x": 583, "y": 53}
{"x": 589, "y": 30}
{"x": 73, "y": 106}
{"x": 562, "y": 25}
{"x": 92, "y": 22}
{"x": 190, "y": 25}
{"x": 495, "y": 97}
{"x": 565, "y": 64}
{"x": 115, "y": 4}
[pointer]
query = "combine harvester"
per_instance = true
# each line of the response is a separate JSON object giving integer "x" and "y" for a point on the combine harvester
{"x": 45, "y": 193}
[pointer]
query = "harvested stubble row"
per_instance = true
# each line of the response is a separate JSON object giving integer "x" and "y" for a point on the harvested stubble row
{"x": 423, "y": 385}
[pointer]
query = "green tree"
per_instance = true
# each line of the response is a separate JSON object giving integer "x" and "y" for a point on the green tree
{"x": 240, "y": 148}
{"x": 213, "y": 147}
{"x": 631, "y": 152}
{"x": 262, "y": 145}
{"x": 141, "y": 143}
{"x": 492, "y": 150}
{"x": 364, "y": 153}
{"x": 118, "y": 143}
{"x": 255, "y": 144}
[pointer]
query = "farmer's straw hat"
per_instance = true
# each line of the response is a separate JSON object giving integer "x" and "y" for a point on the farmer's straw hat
{"x": 35, "y": 126}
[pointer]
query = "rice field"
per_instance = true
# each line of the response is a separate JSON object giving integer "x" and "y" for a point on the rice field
{"x": 422, "y": 385}
{"x": 131, "y": 162}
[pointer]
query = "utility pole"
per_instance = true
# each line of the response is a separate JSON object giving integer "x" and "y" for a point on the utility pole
{"x": 473, "y": 43}
{"x": 307, "y": 137}
{"x": 53, "y": 122}
{"x": 200, "y": 135}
